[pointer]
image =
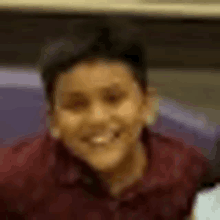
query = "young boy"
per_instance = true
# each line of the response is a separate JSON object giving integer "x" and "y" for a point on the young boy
{"x": 98, "y": 160}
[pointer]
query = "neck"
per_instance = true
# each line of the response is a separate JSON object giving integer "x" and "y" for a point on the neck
{"x": 128, "y": 172}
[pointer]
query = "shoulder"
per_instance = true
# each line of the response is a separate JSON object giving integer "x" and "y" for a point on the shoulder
{"x": 175, "y": 144}
{"x": 18, "y": 157}
{"x": 187, "y": 160}
{"x": 175, "y": 171}
{"x": 23, "y": 168}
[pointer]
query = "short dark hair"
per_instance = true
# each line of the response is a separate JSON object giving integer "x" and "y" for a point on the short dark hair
{"x": 109, "y": 38}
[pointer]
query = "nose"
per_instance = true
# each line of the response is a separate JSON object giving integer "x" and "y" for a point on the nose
{"x": 98, "y": 114}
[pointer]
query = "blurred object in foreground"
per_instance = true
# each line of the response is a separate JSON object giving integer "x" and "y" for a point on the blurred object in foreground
{"x": 207, "y": 205}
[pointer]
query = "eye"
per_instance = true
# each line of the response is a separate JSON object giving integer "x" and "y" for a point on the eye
{"x": 76, "y": 105}
{"x": 113, "y": 99}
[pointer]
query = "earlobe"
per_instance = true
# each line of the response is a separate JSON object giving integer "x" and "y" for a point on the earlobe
{"x": 152, "y": 107}
{"x": 55, "y": 132}
{"x": 54, "y": 129}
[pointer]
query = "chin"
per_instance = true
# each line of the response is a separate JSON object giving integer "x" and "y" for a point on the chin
{"x": 105, "y": 161}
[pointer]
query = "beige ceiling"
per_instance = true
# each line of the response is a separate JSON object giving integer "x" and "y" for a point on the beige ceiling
{"x": 170, "y": 8}
{"x": 170, "y": 44}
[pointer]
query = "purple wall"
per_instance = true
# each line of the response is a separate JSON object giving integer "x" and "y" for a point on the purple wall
{"x": 21, "y": 112}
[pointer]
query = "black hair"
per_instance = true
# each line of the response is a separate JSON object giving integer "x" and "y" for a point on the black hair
{"x": 110, "y": 38}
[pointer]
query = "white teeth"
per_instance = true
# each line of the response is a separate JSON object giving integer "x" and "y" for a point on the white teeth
{"x": 104, "y": 139}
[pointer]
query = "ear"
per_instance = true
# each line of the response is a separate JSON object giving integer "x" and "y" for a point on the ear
{"x": 55, "y": 132}
{"x": 151, "y": 110}
{"x": 52, "y": 124}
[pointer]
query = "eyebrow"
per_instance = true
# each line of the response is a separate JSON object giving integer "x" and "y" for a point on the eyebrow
{"x": 80, "y": 94}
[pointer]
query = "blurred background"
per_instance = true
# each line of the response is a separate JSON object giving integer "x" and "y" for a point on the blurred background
{"x": 183, "y": 57}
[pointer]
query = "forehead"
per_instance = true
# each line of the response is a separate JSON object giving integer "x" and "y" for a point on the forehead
{"x": 94, "y": 75}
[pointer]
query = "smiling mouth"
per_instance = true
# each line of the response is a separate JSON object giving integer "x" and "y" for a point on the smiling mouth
{"x": 103, "y": 139}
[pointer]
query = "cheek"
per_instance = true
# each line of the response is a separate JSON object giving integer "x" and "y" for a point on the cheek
{"x": 130, "y": 114}
{"x": 68, "y": 122}
{"x": 128, "y": 111}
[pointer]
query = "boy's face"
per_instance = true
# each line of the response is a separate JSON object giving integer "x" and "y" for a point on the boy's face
{"x": 99, "y": 111}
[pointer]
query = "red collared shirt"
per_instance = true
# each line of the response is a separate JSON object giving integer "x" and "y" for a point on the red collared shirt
{"x": 41, "y": 181}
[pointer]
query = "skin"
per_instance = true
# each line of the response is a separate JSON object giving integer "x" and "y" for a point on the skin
{"x": 94, "y": 96}
{"x": 153, "y": 106}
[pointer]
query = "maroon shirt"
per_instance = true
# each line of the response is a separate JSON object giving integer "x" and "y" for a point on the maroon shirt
{"x": 41, "y": 181}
